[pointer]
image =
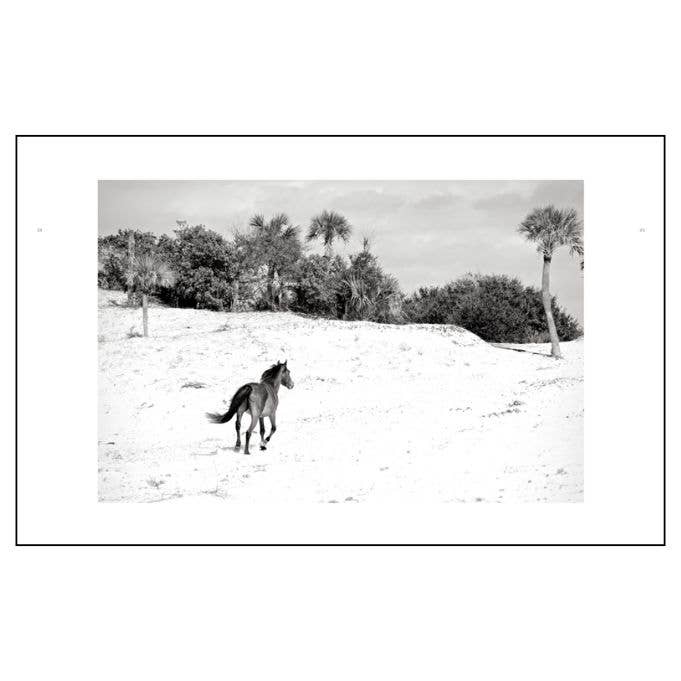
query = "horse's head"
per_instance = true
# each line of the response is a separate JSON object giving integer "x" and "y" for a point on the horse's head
{"x": 286, "y": 379}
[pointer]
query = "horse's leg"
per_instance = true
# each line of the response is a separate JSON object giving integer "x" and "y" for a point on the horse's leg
{"x": 239, "y": 414}
{"x": 262, "y": 433}
{"x": 273, "y": 423}
{"x": 255, "y": 416}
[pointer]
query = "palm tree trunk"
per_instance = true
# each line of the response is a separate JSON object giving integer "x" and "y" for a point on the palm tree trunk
{"x": 145, "y": 315}
{"x": 546, "y": 299}
{"x": 278, "y": 291}
{"x": 270, "y": 286}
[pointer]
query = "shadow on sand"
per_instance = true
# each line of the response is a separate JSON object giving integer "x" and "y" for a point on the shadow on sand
{"x": 531, "y": 352}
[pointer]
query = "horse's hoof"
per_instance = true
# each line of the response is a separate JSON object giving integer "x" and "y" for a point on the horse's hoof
{"x": 237, "y": 448}
{"x": 262, "y": 448}
{"x": 247, "y": 453}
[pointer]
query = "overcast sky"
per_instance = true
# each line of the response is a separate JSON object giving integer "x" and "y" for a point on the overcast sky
{"x": 424, "y": 232}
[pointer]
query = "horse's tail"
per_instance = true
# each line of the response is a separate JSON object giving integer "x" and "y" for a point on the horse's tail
{"x": 240, "y": 395}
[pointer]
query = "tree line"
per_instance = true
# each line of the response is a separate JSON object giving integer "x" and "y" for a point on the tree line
{"x": 266, "y": 267}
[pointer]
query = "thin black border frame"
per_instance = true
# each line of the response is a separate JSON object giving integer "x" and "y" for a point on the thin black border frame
{"x": 663, "y": 137}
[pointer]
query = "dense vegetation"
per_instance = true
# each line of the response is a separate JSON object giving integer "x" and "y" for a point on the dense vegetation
{"x": 266, "y": 268}
{"x": 494, "y": 307}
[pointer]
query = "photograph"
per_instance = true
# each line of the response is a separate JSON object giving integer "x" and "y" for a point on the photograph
{"x": 340, "y": 342}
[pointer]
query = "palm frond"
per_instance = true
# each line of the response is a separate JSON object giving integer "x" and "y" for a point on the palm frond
{"x": 258, "y": 220}
{"x": 361, "y": 300}
{"x": 278, "y": 221}
{"x": 150, "y": 272}
{"x": 550, "y": 228}
{"x": 329, "y": 225}
{"x": 314, "y": 230}
{"x": 290, "y": 232}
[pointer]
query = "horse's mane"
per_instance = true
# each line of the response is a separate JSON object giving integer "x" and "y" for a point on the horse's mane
{"x": 270, "y": 374}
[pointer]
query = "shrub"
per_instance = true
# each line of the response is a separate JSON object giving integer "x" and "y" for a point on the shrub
{"x": 368, "y": 293}
{"x": 497, "y": 308}
{"x": 201, "y": 260}
{"x": 112, "y": 251}
{"x": 203, "y": 289}
{"x": 317, "y": 285}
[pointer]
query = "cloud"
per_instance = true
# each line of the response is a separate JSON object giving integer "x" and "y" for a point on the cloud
{"x": 501, "y": 202}
{"x": 562, "y": 193}
{"x": 438, "y": 201}
{"x": 367, "y": 200}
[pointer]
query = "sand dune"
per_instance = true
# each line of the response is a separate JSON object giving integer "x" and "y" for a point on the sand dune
{"x": 379, "y": 412}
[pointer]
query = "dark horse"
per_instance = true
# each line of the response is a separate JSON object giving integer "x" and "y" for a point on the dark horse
{"x": 259, "y": 400}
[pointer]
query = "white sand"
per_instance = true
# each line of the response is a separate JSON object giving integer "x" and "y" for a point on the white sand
{"x": 402, "y": 413}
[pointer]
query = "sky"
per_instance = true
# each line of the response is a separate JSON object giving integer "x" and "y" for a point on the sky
{"x": 424, "y": 232}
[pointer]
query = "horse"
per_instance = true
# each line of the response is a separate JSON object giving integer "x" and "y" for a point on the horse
{"x": 259, "y": 400}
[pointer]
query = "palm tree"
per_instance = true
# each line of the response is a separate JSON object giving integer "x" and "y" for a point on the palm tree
{"x": 150, "y": 272}
{"x": 278, "y": 247}
{"x": 551, "y": 228}
{"x": 329, "y": 226}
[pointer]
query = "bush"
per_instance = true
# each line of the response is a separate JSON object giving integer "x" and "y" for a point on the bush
{"x": 368, "y": 293}
{"x": 112, "y": 251}
{"x": 201, "y": 261}
{"x": 360, "y": 290}
{"x": 317, "y": 285}
{"x": 497, "y": 308}
{"x": 203, "y": 289}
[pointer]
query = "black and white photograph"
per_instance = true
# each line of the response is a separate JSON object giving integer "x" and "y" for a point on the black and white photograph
{"x": 333, "y": 340}
{"x": 341, "y": 342}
